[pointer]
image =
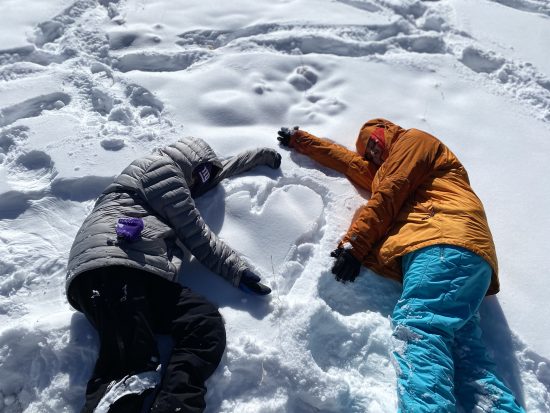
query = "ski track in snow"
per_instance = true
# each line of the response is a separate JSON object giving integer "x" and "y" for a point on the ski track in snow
{"x": 332, "y": 360}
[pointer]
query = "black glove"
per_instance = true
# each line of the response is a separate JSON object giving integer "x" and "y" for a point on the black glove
{"x": 276, "y": 162}
{"x": 250, "y": 283}
{"x": 285, "y": 134}
{"x": 346, "y": 267}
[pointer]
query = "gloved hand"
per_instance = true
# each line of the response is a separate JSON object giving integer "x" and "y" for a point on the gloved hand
{"x": 346, "y": 267}
{"x": 285, "y": 135}
{"x": 250, "y": 283}
{"x": 276, "y": 161}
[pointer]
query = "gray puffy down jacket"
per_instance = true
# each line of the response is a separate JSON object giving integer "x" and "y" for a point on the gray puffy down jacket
{"x": 158, "y": 189}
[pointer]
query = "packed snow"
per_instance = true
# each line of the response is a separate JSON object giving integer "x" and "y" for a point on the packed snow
{"x": 87, "y": 86}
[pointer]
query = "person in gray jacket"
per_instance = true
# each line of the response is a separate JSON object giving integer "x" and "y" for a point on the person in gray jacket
{"x": 121, "y": 276}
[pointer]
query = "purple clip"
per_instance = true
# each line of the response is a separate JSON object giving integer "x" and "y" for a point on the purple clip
{"x": 129, "y": 228}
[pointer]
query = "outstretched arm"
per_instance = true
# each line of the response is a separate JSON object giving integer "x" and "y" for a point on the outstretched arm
{"x": 331, "y": 155}
{"x": 241, "y": 163}
{"x": 247, "y": 160}
{"x": 166, "y": 191}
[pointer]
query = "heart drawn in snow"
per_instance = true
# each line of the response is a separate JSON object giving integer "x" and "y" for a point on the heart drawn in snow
{"x": 289, "y": 216}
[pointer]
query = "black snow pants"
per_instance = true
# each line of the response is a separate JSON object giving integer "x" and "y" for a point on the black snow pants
{"x": 127, "y": 308}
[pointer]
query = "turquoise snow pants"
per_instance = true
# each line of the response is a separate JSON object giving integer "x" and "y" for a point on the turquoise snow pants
{"x": 439, "y": 354}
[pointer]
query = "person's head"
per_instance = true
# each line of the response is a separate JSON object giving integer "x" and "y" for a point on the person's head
{"x": 376, "y": 146}
{"x": 371, "y": 144}
{"x": 376, "y": 139}
{"x": 197, "y": 160}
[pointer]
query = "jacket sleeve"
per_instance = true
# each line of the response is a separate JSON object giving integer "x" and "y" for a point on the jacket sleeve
{"x": 166, "y": 191}
{"x": 411, "y": 161}
{"x": 331, "y": 155}
{"x": 242, "y": 162}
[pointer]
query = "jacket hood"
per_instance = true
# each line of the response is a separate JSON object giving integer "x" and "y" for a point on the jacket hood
{"x": 189, "y": 153}
{"x": 389, "y": 132}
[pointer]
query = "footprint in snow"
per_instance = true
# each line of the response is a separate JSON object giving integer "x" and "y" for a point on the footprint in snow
{"x": 33, "y": 107}
{"x": 303, "y": 78}
{"x": 480, "y": 61}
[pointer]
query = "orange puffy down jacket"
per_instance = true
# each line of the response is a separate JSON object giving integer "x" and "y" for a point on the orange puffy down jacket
{"x": 420, "y": 196}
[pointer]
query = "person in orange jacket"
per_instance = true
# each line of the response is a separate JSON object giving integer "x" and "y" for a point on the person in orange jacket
{"x": 425, "y": 227}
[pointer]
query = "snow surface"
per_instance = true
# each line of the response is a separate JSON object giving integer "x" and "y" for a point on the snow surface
{"x": 87, "y": 86}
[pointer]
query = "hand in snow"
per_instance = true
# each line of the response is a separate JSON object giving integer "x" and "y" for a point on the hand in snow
{"x": 285, "y": 134}
{"x": 346, "y": 267}
{"x": 276, "y": 161}
{"x": 250, "y": 283}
